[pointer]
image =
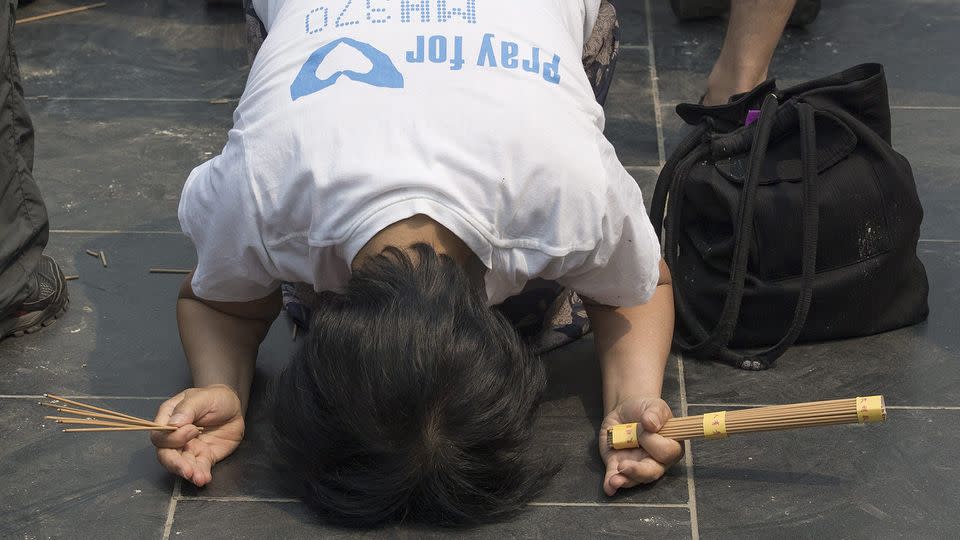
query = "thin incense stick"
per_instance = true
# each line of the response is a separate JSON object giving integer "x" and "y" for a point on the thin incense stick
{"x": 83, "y": 421}
{"x": 776, "y": 417}
{"x": 97, "y": 409}
{"x": 98, "y": 415}
{"x": 106, "y": 419}
{"x": 134, "y": 428}
{"x": 61, "y": 12}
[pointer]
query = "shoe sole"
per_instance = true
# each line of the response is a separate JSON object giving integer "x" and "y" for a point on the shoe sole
{"x": 42, "y": 319}
{"x": 45, "y": 320}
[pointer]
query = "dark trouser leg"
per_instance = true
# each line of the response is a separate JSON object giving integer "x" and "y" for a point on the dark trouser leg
{"x": 23, "y": 216}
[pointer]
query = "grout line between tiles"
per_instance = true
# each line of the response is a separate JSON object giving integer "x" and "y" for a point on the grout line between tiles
{"x": 187, "y": 498}
{"x": 688, "y": 456}
{"x": 111, "y": 231}
{"x": 171, "y": 509}
{"x": 84, "y": 396}
{"x": 926, "y": 107}
{"x": 939, "y": 241}
{"x": 654, "y": 84}
{"x": 687, "y": 446}
{"x": 284, "y": 500}
{"x": 652, "y": 168}
{"x": 633, "y": 47}
{"x": 605, "y": 505}
{"x": 895, "y": 407}
{"x": 893, "y": 107}
{"x": 134, "y": 99}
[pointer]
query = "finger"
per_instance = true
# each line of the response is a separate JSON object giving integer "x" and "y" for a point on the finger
{"x": 666, "y": 451}
{"x": 185, "y": 463}
{"x": 195, "y": 405}
{"x": 617, "y": 482}
{"x": 202, "y": 475}
{"x": 173, "y": 461}
{"x": 655, "y": 414}
{"x": 203, "y": 462}
{"x": 612, "y": 479}
{"x": 174, "y": 439}
{"x": 643, "y": 471}
{"x": 166, "y": 409}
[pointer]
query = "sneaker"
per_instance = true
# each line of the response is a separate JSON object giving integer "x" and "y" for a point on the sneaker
{"x": 47, "y": 303}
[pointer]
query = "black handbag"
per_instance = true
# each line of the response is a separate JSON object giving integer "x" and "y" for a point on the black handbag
{"x": 802, "y": 226}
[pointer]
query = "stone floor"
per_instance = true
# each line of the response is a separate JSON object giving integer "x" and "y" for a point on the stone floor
{"x": 121, "y": 100}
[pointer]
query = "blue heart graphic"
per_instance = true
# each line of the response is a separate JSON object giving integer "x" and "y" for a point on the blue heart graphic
{"x": 383, "y": 74}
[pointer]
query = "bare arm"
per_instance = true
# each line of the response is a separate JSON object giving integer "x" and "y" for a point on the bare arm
{"x": 221, "y": 339}
{"x": 633, "y": 344}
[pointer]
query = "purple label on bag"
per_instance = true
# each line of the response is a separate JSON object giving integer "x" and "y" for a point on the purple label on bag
{"x": 752, "y": 116}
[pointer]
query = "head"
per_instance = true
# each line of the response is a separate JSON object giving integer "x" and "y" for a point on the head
{"x": 411, "y": 400}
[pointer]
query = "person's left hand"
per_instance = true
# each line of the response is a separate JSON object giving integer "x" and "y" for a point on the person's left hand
{"x": 630, "y": 467}
{"x": 187, "y": 452}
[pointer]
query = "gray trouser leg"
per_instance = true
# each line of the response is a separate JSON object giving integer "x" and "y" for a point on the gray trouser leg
{"x": 23, "y": 217}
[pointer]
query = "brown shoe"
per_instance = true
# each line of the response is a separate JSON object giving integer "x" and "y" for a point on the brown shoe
{"x": 47, "y": 303}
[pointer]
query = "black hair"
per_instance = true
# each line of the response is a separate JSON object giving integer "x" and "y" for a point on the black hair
{"x": 411, "y": 400}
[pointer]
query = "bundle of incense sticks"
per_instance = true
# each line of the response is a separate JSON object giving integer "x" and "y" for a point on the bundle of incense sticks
{"x": 720, "y": 424}
{"x": 101, "y": 419}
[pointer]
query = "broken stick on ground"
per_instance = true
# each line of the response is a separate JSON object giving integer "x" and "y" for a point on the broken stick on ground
{"x": 170, "y": 271}
{"x": 59, "y": 13}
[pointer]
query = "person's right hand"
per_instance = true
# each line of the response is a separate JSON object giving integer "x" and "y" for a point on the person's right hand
{"x": 188, "y": 452}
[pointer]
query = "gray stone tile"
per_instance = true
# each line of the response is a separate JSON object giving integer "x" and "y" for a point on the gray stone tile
{"x": 647, "y": 180}
{"x": 210, "y": 519}
{"x": 573, "y": 410}
{"x": 575, "y": 383}
{"x": 633, "y": 22}
{"x": 674, "y": 129}
{"x": 911, "y": 366}
{"x": 157, "y": 49}
{"x": 685, "y": 52}
{"x": 121, "y": 165}
{"x": 931, "y": 141}
{"x": 78, "y": 485}
{"x": 630, "y": 120}
{"x": 119, "y": 336}
{"x": 574, "y": 440}
{"x": 250, "y": 471}
{"x": 915, "y": 44}
{"x": 893, "y": 480}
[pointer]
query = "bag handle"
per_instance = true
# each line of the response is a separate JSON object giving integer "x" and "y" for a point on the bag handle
{"x": 716, "y": 343}
{"x": 662, "y": 189}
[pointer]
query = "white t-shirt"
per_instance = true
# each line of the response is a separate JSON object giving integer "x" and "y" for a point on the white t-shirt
{"x": 477, "y": 113}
